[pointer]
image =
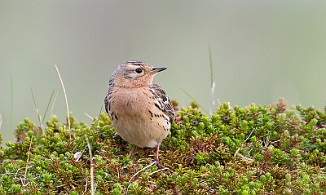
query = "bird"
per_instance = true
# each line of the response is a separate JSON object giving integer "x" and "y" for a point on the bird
{"x": 140, "y": 111}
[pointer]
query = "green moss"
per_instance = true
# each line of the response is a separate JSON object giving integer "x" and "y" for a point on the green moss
{"x": 250, "y": 150}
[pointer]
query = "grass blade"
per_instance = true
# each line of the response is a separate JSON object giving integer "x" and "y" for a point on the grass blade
{"x": 66, "y": 99}
{"x": 211, "y": 66}
{"x": 47, "y": 107}
{"x": 212, "y": 102}
{"x": 0, "y": 125}
{"x": 39, "y": 117}
{"x": 12, "y": 103}
{"x": 193, "y": 99}
{"x": 55, "y": 98}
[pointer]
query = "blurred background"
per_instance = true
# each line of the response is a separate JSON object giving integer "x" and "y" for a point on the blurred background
{"x": 261, "y": 51}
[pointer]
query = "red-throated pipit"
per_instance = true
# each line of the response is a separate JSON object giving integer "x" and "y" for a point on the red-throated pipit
{"x": 140, "y": 111}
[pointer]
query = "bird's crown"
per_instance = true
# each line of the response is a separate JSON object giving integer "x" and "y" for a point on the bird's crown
{"x": 137, "y": 72}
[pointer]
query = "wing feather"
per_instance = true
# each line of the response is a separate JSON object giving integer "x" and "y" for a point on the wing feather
{"x": 164, "y": 101}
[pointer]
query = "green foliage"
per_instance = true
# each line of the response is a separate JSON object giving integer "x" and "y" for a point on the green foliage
{"x": 251, "y": 150}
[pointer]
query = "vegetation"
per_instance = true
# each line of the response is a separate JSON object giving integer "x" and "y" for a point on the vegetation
{"x": 253, "y": 150}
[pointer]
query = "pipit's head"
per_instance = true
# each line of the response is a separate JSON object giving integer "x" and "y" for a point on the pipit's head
{"x": 134, "y": 74}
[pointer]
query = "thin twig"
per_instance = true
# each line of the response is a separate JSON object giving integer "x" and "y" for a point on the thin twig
{"x": 143, "y": 169}
{"x": 91, "y": 166}
{"x": 66, "y": 99}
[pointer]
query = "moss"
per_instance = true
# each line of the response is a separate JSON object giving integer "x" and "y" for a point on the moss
{"x": 250, "y": 150}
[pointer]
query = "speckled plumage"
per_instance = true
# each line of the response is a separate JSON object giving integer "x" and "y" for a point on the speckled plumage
{"x": 140, "y": 110}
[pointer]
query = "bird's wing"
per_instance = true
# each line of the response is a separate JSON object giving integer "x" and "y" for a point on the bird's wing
{"x": 107, "y": 98}
{"x": 164, "y": 102}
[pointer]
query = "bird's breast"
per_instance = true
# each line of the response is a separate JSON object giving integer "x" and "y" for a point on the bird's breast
{"x": 136, "y": 118}
{"x": 130, "y": 102}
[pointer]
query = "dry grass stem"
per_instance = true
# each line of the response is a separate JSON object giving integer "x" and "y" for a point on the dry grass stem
{"x": 55, "y": 98}
{"x": 193, "y": 99}
{"x": 28, "y": 155}
{"x": 143, "y": 169}
{"x": 212, "y": 102}
{"x": 91, "y": 166}
{"x": 89, "y": 116}
{"x": 159, "y": 170}
{"x": 66, "y": 99}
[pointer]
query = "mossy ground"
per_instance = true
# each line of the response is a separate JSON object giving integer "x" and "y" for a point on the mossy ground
{"x": 252, "y": 150}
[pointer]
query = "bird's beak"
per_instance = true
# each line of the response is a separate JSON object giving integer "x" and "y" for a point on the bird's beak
{"x": 155, "y": 70}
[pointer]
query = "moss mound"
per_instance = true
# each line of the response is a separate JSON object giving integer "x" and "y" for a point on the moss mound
{"x": 252, "y": 150}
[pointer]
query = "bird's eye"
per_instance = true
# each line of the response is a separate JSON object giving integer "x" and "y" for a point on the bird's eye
{"x": 139, "y": 70}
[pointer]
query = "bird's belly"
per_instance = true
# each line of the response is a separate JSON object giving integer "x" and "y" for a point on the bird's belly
{"x": 140, "y": 133}
{"x": 134, "y": 122}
